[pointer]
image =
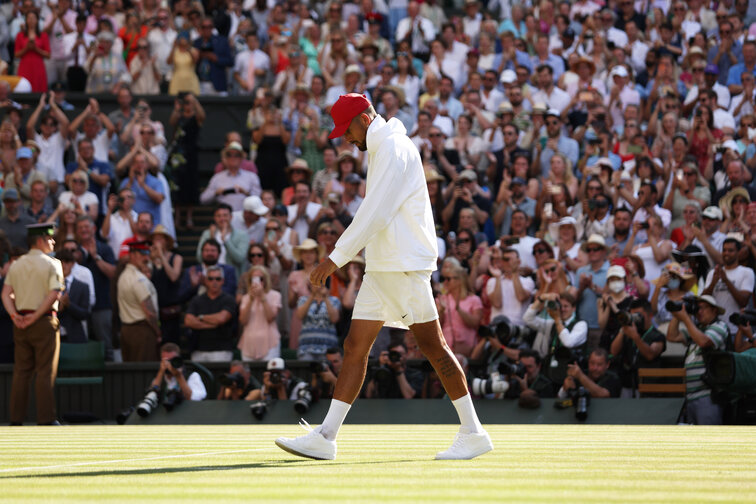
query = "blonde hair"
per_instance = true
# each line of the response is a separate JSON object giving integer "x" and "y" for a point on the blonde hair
{"x": 265, "y": 277}
{"x": 461, "y": 273}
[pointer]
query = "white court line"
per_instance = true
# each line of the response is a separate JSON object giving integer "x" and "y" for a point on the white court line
{"x": 105, "y": 462}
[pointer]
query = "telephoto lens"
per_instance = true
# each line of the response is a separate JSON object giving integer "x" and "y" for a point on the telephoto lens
{"x": 149, "y": 402}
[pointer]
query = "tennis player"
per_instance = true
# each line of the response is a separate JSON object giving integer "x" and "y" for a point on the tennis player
{"x": 394, "y": 225}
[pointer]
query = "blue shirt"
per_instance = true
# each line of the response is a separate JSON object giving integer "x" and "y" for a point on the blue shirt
{"x": 101, "y": 282}
{"x": 98, "y": 168}
{"x": 555, "y": 62}
{"x": 586, "y": 308}
{"x": 215, "y": 72}
{"x": 734, "y": 76}
{"x": 567, "y": 146}
{"x": 143, "y": 202}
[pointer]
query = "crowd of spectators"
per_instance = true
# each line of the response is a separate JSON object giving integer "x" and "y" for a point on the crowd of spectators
{"x": 582, "y": 158}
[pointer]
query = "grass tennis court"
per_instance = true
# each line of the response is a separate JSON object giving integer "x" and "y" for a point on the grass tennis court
{"x": 531, "y": 463}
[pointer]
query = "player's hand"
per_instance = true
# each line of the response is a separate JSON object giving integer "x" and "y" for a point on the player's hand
{"x": 321, "y": 272}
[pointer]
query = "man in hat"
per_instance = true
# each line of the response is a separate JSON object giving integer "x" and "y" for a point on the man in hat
{"x": 231, "y": 185}
{"x": 708, "y": 238}
{"x": 251, "y": 219}
{"x": 512, "y": 198}
{"x": 591, "y": 280}
{"x": 555, "y": 141}
{"x": 23, "y": 174}
{"x": 729, "y": 283}
{"x": 706, "y": 333}
{"x": 15, "y": 222}
{"x": 30, "y": 296}
{"x": 395, "y": 226}
{"x": 352, "y": 84}
{"x": 138, "y": 307}
{"x": 736, "y": 174}
{"x": 621, "y": 94}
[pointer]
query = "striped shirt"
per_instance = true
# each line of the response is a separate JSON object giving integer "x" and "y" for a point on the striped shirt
{"x": 694, "y": 359}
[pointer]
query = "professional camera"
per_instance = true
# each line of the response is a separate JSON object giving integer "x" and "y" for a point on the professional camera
{"x": 258, "y": 409}
{"x": 304, "y": 398}
{"x": 597, "y": 203}
{"x": 275, "y": 377}
{"x": 552, "y": 304}
{"x": 176, "y": 362}
{"x": 149, "y": 403}
{"x": 512, "y": 369}
{"x": 579, "y": 398}
{"x": 627, "y": 319}
{"x": 318, "y": 367}
{"x": 508, "y": 334}
{"x": 570, "y": 356}
{"x": 394, "y": 356}
{"x": 691, "y": 306}
{"x": 231, "y": 380}
{"x": 494, "y": 384}
{"x": 173, "y": 397}
{"x": 747, "y": 317}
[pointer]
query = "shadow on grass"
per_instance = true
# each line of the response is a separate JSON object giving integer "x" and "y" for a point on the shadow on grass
{"x": 202, "y": 468}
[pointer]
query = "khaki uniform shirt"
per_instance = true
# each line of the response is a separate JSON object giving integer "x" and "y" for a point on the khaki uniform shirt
{"x": 32, "y": 277}
{"x": 133, "y": 288}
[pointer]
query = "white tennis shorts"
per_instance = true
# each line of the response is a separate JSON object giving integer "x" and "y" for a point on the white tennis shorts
{"x": 398, "y": 299}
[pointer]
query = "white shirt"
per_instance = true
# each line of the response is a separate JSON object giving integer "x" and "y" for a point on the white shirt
{"x": 511, "y": 307}
{"x": 259, "y": 59}
{"x": 300, "y": 225}
{"x": 101, "y": 144}
{"x": 525, "y": 249}
{"x": 256, "y": 231}
{"x": 743, "y": 280}
{"x": 570, "y": 339}
{"x": 195, "y": 383}
{"x": 120, "y": 230}
{"x": 51, "y": 151}
{"x": 558, "y": 99}
{"x": 394, "y": 223}
{"x": 84, "y": 274}
{"x": 420, "y": 40}
{"x": 85, "y": 200}
{"x": 69, "y": 39}
{"x": 161, "y": 43}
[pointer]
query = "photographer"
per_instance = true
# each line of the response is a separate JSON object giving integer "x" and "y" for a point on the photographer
{"x": 393, "y": 379}
{"x": 278, "y": 383}
{"x": 237, "y": 383}
{"x": 325, "y": 373}
{"x": 709, "y": 333}
{"x": 744, "y": 339}
{"x": 191, "y": 388}
{"x": 533, "y": 380}
{"x": 599, "y": 382}
{"x": 637, "y": 345}
{"x": 560, "y": 333}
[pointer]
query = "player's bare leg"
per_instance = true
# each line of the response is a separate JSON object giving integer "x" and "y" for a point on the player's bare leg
{"x": 471, "y": 440}
{"x": 320, "y": 443}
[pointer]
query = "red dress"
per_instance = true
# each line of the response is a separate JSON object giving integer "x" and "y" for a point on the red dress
{"x": 130, "y": 42}
{"x": 32, "y": 65}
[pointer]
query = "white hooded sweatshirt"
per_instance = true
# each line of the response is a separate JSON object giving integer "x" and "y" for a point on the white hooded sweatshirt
{"x": 394, "y": 222}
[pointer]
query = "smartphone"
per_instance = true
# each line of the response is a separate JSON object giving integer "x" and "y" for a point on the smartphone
{"x": 328, "y": 283}
{"x": 555, "y": 189}
{"x": 548, "y": 210}
{"x": 679, "y": 174}
{"x": 256, "y": 280}
{"x": 585, "y": 96}
{"x": 634, "y": 149}
{"x": 271, "y": 235}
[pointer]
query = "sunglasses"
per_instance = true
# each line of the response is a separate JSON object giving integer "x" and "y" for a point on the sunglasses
{"x": 435, "y": 135}
{"x": 147, "y": 132}
{"x": 552, "y": 123}
{"x": 463, "y": 240}
{"x": 551, "y": 270}
{"x": 214, "y": 279}
{"x": 234, "y": 154}
{"x": 328, "y": 232}
{"x": 447, "y": 278}
{"x": 78, "y": 181}
{"x": 540, "y": 251}
{"x": 255, "y": 254}
{"x": 273, "y": 229}
{"x": 594, "y": 249}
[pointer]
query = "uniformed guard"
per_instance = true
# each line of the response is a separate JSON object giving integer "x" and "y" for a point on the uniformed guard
{"x": 138, "y": 307}
{"x": 30, "y": 295}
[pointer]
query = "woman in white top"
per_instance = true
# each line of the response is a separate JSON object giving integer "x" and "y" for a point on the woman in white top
{"x": 470, "y": 147}
{"x": 406, "y": 78}
{"x": 655, "y": 253}
{"x": 79, "y": 196}
{"x": 51, "y": 140}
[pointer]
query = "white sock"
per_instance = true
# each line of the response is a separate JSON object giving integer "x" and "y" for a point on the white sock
{"x": 337, "y": 412}
{"x": 467, "y": 416}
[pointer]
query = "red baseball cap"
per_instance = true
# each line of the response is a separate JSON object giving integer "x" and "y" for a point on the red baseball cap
{"x": 346, "y": 108}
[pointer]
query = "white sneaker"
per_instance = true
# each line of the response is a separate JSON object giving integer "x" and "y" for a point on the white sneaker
{"x": 313, "y": 444}
{"x": 467, "y": 446}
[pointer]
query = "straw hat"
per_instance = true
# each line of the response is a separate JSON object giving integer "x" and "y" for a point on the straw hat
{"x": 163, "y": 231}
{"x": 583, "y": 59}
{"x": 594, "y": 239}
{"x": 713, "y": 302}
{"x": 399, "y": 92}
{"x": 565, "y": 221}
{"x": 432, "y": 175}
{"x": 725, "y": 204}
{"x": 299, "y": 164}
{"x": 675, "y": 268}
{"x": 308, "y": 244}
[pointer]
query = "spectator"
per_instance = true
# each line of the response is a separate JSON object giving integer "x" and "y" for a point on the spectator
{"x": 613, "y": 301}
{"x": 51, "y": 139}
{"x": 74, "y": 307}
{"x": 271, "y": 138}
{"x": 591, "y": 280}
{"x": 183, "y": 58}
{"x": 302, "y": 212}
{"x": 191, "y": 387}
{"x": 210, "y": 317}
{"x": 260, "y": 338}
{"x": 298, "y": 171}
{"x": 79, "y": 197}
{"x": 39, "y": 207}
{"x": 214, "y": 58}
{"x": 599, "y": 382}
{"x": 161, "y": 39}
{"x": 460, "y": 310}
{"x": 707, "y": 333}
{"x": 138, "y": 308}
{"x": 23, "y": 174}
{"x": 508, "y": 292}
{"x": 250, "y": 66}
{"x": 403, "y": 383}
{"x": 100, "y": 173}
{"x": 187, "y": 117}
{"x": 558, "y": 328}
{"x": 96, "y": 127}
{"x": 251, "y": 219}
{"x": 32, "y": 47}
{"x": 730, "y": 284}
{"x": 14, "y": 223}
{"x": 192, "y": 282}
{"x": 233, "y": 242}
{"x": 147, "y": 189}
{"x": 105, "y": 67}
{"x": 166, "y": 276}
{"x": 554, "y": 141}
{"x": 232, "y": 185}
{"x": 120, "y": 219}
{"x": 656, "y": 251}
{"x": 319, "y": 313}
{"x": 143, "y": 67}
{"x": 76, "y": 46}
{"x": 246, "y": 164}
{"x": 99, "y": 259}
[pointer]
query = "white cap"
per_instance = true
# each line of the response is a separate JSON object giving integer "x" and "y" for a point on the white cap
{"x": 508, "y": 77}
{"x": 619, "y": 70}
{"x": 730, "y": 144}
{"x": 255, "y": 204}
{"x": 616, "y": 271}
{"x": 713, "y": 212}
{"x": 276, "y": 364}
